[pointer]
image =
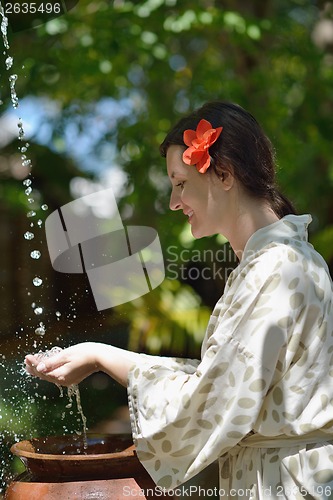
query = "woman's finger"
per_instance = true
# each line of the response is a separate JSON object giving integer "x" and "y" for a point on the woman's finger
{"x": 30, "y": 360}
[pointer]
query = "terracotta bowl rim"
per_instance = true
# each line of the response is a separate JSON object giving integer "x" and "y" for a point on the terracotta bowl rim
{"x": 128, "y": 452}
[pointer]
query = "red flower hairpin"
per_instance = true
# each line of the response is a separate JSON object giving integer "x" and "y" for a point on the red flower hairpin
{"x": 199, "y": 142}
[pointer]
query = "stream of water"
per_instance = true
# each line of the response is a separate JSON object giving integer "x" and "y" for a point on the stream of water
{"x": 72, "y": 392}
{"x": 35, "y": 223}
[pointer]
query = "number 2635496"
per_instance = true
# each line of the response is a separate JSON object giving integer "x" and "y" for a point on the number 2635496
{"x": 32, "y": 8}
{"x": 282, "y": 491}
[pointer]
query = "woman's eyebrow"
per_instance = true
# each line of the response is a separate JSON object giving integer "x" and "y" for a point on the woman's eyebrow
{"x": 176, "y": 174}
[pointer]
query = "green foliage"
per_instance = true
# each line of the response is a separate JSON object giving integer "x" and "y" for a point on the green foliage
{"x": 323, "y": 242}
{"x": 172, "y": 319}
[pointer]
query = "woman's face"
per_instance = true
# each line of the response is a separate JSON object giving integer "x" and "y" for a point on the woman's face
{"x": 201, "y": 197}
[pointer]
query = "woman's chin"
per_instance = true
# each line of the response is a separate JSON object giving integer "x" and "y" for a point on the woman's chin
{"x": 199, "y": 232}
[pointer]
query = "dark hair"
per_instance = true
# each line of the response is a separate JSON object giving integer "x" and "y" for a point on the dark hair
{"x": 242, "y": 147}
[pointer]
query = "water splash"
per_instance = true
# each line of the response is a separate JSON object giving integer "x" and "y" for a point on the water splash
{"x": 17, "y": 416}
{"x": 72, "y": 391}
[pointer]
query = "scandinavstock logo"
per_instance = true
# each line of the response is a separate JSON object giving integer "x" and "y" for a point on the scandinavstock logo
{"x": 27, "y": 14}
{"x": 122, "y": 262}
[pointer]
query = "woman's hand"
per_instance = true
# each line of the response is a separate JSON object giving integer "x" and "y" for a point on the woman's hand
{"x": 74, "y": 364}
{"x": 69, "y": 366}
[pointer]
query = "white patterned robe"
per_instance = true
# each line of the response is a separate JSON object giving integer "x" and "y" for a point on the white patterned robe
{"x": 261, "y": 398}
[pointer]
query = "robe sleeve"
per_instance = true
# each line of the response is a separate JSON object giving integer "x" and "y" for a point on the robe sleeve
{"x": 184, "y": 418}
{"x": 143, "y": 360}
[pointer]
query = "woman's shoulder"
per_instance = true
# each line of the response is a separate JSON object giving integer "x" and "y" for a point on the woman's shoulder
{"x": 287, "y": 259}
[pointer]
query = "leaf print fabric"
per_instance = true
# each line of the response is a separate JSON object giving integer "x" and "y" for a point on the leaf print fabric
{"x": 261, "y": 398}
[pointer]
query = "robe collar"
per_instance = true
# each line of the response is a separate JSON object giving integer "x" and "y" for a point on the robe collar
{"x": 281, "y": 231}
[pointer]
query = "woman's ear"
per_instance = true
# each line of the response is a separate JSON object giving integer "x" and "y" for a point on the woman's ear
{"x": 227, "y": 179}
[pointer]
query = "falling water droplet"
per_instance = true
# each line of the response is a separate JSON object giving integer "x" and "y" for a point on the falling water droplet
{"x": 35, "y": 254}
{"x": 26, "y": 163}
{"x": 37, "y": 282}
{"x": 31, "y": 213}
{"x": 27, "y": 182}
{"x": 40, "y": 330}
{"x": 39, "y": 222}
{"x": 28, "y": 235}
{"x": 21, "y": 131}
{"x": 9, "y": 62}
{"x": 28, "y": 191}
{"x": 38, "y": 310}
{"x": 4, "y": 25}
{"x": 13, "y": 96}
{"x": 44, "y": 207}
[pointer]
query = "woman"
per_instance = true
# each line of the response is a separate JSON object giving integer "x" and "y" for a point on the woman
{"x": 260, "y": 399}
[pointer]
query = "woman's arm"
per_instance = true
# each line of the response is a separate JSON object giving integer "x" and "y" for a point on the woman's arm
{"x": 75, "y": 363}
{"x": 72, "y": 365}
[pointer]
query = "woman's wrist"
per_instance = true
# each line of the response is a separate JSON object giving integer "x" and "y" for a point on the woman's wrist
{"x": 112, "y": 361}
{"x": 96, "y": 356}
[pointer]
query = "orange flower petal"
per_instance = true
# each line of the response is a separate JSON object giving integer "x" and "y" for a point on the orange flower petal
{"x": 203, "y": 164}
{"x": 203, "y": 126}
{"x": 218, "y": 131}
{"x": 192, "y": 156}
{"x": 189, "y": 136}
{"x": 205, "y": 141}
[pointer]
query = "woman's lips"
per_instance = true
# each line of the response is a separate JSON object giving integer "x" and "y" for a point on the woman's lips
{"x": 189, "y": 215}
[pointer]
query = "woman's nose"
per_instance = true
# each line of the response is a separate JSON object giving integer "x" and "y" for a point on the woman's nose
{"x": 175, "y": 201}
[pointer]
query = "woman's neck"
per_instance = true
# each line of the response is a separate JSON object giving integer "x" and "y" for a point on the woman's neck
{"x": 248, "y": 219}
